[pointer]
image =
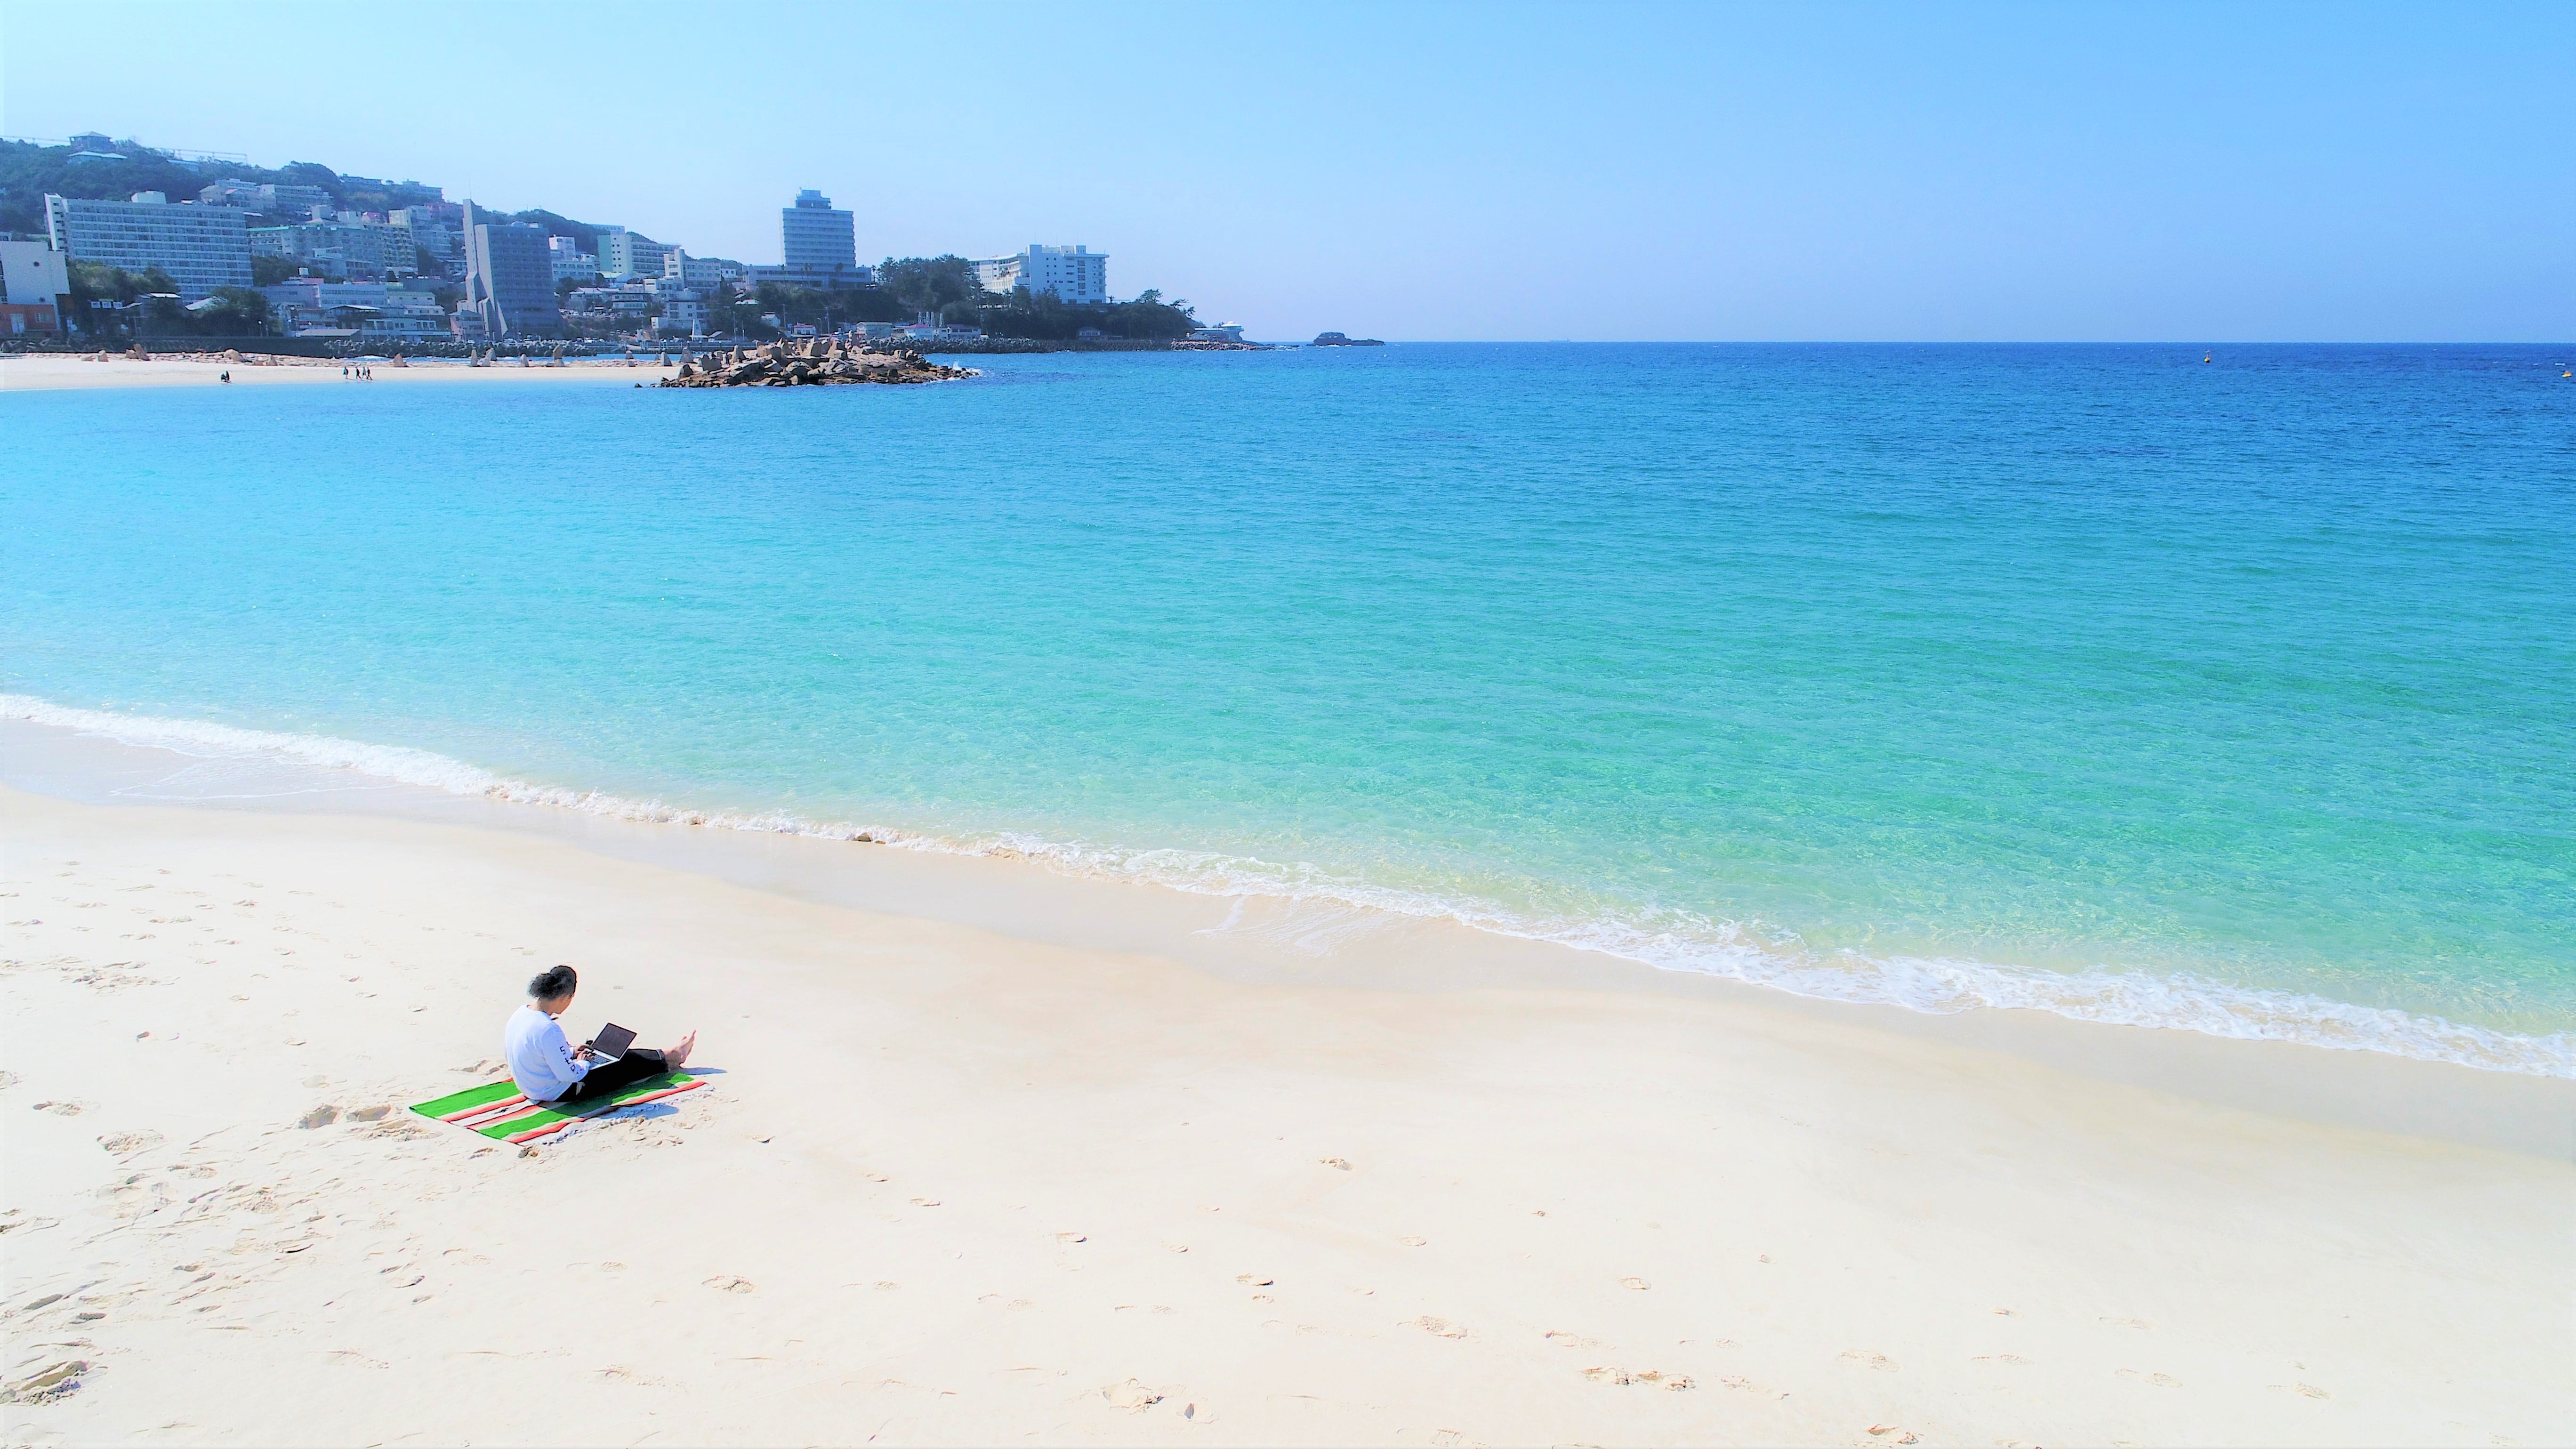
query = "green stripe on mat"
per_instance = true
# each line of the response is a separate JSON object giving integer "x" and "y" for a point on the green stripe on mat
{"x": 470, "y": 1097}
{"x": 545, "y": 1116}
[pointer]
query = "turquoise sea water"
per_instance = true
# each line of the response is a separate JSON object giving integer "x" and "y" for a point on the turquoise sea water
{"x": 2237, "y": 695}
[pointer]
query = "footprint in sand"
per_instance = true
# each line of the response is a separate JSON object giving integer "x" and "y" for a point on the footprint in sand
{"x": 1415, "y": 1242}
{"x": 2128, "y": 1323}
{"x": 1563, "y": 1339}
{"x": 1638, "y": 1284}
{"x": 369, "y": 1114}
{"x": 2162, "y": 1381}
{"x": 60, "y": 1109}
{"x": 1069, "y": 1236}
{"x": 1652, "y": 1378}
{"x": 1132, "y": 1396}
{"x": 1340, "y": 1164}
{"x": 1436, "y": 1327}
{"x": 1252, "y": 1280}
{"x": 126, "y": 1144}
{"x": 1867, "y": 1359}
{"x": 2309, "y": 1390}
{"x": 46, "y": 1385}
{"x": 727, "y": 1283}
{"x": 322, "y": 1116}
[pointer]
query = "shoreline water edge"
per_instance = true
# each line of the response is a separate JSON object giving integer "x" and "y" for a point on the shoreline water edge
{"x": 2108, "y": 997}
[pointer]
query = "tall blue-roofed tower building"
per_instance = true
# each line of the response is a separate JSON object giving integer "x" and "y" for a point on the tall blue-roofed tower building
{"x": 819, "y": 245}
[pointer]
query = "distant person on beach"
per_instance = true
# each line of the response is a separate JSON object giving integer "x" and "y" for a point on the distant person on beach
{"x": 550, "y": 1069}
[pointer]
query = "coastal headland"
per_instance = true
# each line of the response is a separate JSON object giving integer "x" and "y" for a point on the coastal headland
{"x": 986, "y": 1151}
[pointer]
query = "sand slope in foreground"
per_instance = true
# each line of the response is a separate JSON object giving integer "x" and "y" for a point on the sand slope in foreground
{"x": 954, "y": 1186}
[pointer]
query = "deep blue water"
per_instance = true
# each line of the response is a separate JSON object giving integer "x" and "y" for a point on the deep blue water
{"x": 2237, "y": 694}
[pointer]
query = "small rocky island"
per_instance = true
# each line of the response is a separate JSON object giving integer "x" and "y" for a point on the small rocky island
{"x": 821, "y": 361}
{"x": 1335, "y": 339}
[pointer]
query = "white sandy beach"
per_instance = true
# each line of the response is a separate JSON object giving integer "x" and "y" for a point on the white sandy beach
{"x": 953, "y": 1183}
{"x": 54, "y": 371}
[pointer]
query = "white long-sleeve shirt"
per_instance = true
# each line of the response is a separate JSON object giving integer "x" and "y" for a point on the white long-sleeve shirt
{"x": 541, "y": 1060}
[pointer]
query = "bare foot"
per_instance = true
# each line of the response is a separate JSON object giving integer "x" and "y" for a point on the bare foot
{"x": 676, "y": 1057}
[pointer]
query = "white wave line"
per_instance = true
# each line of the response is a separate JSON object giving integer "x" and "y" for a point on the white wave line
{"x": 1686, "y": 942}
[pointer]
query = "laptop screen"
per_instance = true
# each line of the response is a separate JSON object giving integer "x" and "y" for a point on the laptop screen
{"x": 612, "y": 1041}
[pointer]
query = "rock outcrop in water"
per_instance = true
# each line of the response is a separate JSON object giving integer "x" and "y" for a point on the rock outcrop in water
{"x": 820, "y": 362}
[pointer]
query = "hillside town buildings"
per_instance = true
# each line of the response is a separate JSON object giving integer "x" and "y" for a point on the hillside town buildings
{"x": 353, "y": 248}
{"x": 422, "y": 267}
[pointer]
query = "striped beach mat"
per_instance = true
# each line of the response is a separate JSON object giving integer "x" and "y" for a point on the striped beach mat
{"x": 500, "y": 1111}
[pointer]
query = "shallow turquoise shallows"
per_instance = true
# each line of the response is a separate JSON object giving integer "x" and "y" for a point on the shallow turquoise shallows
{"x": 2237, "y": 695}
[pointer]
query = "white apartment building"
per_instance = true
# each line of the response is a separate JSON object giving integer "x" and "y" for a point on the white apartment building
{"x": 355, "y": 249}
{"x": 32, "y": 272}
{"x": 428, "y": 232}
{"x": 411, "y": 310}
{"x": 35, "y": 287}
{"x": 377, "y": 309}
{"x": 684, "y": 311}
{"x": 1072, "y": 274}
{"x": 624, "y": 253}
{"x": 290, "y": 203}
{"x": 201, "y": 247}
{"x": 571, "y": 261}
{"x": 702, "y": 273}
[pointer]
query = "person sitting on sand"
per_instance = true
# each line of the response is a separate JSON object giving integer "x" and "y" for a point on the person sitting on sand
{"x": 551, "y": 1069}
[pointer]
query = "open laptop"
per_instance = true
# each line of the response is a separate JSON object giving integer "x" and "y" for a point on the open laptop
{"x": 610, "y": 1044}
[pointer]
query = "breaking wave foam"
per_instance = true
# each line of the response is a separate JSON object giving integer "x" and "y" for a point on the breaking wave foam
{"x": 1676, "y": 941}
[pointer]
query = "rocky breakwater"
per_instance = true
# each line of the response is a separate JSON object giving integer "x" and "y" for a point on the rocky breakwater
{"x": 792, "y": 364}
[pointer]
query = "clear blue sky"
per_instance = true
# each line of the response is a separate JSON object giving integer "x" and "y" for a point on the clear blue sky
{"x": 1419, "y": 171}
